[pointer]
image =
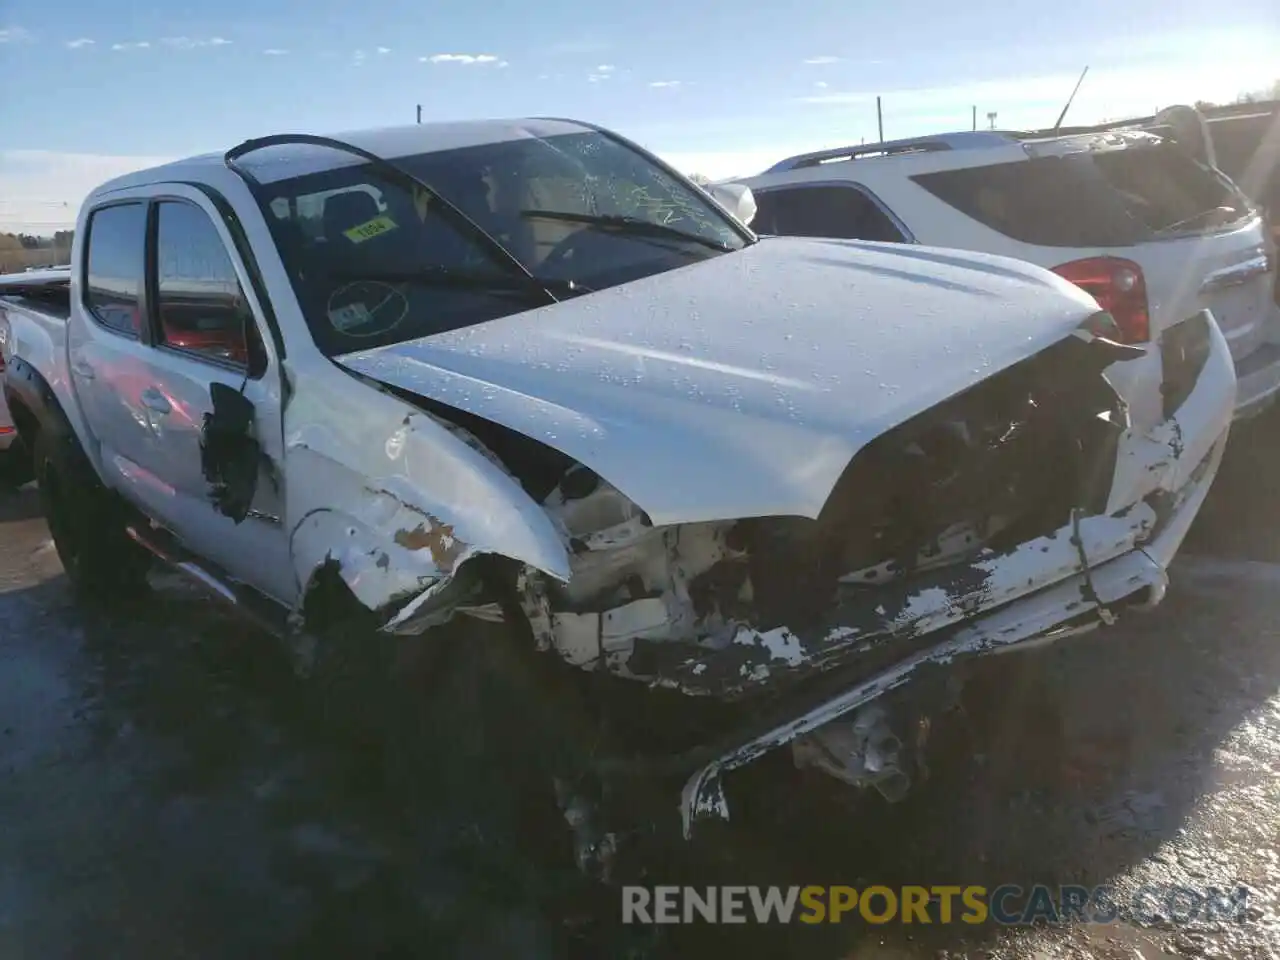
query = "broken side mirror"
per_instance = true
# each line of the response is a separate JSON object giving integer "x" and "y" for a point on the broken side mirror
{"x": 736, "y": 198}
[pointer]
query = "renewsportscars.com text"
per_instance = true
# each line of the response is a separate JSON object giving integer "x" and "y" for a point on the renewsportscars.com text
{"x": 1007, "y": 904}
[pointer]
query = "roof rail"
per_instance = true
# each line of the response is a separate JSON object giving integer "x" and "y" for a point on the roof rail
{"x": 963, "y": 140}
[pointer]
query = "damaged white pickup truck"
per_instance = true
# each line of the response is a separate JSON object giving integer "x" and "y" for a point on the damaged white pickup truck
{"x": 524, "y": 371}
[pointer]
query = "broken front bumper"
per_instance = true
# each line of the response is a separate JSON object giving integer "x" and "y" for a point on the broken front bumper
{"x": 1054, "y": 587}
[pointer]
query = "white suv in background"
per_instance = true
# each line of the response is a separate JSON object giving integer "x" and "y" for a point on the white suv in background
{"x": 1129, "y": 216}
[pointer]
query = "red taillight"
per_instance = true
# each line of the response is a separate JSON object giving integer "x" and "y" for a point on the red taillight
{"x": 1119, "y": 288}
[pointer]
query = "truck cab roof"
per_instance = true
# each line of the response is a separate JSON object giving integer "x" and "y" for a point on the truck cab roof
{"x": 285, "y": 161}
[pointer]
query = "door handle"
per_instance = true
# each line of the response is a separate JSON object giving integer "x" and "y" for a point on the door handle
{"x": 155, "y": 401}
{"x": 82, "y": 368}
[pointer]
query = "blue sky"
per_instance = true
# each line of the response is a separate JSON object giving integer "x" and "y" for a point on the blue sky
{"x": 722, "y": 88}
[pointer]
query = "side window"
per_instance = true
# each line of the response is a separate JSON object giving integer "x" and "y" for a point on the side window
{"x": 199, "y": 302}
{"x": 842, "y": 213}
{"x": 115, "y": 265}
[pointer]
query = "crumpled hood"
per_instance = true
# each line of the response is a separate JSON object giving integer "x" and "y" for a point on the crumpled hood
{"x": 742, "y": 385}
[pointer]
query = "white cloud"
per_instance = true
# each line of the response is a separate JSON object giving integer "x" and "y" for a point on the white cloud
{"x": 605, "y": 68}
{"x": 664, "y": 84}
{"x": 79, "y": 44}
{"x": 189, "y": 43}
{"x": 15, "y": 35}
{"x": 139, "y": 45}
{"x": 383, "y": 50}
{"x": 41, "y": 190}
{"x": 463, "y": 58}
{"x": 275, "y": 52}
{"x": 821, "y": 84}
{"x": 597, "y": 77}
{"x": 821, "y": 61}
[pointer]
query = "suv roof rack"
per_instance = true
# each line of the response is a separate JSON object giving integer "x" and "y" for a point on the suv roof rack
{"x": 964, "y": 140}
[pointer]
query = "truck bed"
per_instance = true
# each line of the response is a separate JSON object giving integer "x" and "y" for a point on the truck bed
{"x": 34, "y": 308}
{"x": 47, "y": 291}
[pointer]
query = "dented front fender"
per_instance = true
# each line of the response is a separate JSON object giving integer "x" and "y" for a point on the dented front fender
{"x": 399, "y": 500}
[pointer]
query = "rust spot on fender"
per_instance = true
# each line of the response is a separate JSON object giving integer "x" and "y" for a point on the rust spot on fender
{"x": 435, "y": 537}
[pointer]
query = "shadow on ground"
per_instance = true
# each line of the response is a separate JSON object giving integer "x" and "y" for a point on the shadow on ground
{"x": 1241, "y": 516}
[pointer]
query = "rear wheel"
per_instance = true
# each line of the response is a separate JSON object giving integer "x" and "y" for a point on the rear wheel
{"x": 87, "y": 522}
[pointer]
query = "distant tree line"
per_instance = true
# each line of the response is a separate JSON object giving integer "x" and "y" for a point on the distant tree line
{"x": 26, "y": 241}
{"x": 1253, "y": 96}
{"x": 21, "y": 250}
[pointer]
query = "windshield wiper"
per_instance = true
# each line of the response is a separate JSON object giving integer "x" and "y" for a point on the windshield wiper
{"x": 635, "y": 225}
{"x": 545, "y": 289}
{"x": 1204, "y": 216}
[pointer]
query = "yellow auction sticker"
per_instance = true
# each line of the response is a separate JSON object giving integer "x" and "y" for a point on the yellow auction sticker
{"x": 370, "y": 228}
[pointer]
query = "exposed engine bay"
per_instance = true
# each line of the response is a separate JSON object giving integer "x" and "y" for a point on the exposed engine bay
{"x": 702, "y": 646}
{"x": 728, "y": 608}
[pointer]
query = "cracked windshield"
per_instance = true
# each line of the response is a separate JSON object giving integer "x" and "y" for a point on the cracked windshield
{"x": 560, "y": 486}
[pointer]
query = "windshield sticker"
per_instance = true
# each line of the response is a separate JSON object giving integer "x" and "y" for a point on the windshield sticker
{"x": 347, "y": 317}
{"x": 366, "y": 308}
{"x": 369, "y": 229}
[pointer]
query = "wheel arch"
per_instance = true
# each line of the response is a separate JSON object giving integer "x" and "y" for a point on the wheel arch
{"x": 32, "y": 403}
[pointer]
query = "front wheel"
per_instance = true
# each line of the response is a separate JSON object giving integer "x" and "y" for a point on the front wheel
{"x": 86, "y": 522}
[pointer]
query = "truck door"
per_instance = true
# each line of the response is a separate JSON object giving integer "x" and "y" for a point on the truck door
{"x": 169, "y": 311}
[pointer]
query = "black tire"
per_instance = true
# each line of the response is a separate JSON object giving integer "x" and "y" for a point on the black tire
{"x": 87, "y": 523}
{"x": 349, "y": 678}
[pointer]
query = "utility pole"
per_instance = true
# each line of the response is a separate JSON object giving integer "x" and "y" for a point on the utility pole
{"x": 879, "y": 119}
{"x": 419, "y": 113}
{"x": 975, "y": 116}
{"x": 991, "y": 118}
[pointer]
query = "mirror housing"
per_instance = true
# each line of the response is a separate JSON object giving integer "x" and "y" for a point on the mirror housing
{"x": 736, "y": 198}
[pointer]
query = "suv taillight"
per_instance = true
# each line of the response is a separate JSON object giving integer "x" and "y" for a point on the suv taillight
{"x": 1120, "y": 289}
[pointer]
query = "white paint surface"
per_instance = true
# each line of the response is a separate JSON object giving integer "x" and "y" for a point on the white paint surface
{"x": 753, "y": 377}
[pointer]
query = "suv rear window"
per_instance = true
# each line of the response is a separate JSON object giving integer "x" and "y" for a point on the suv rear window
{"x": 1100, "y": 199}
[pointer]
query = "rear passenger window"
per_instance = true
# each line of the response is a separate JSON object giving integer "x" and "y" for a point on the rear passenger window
{"x": 114, "y": 268}
{"x": 844, "y": 213}
{"x": 199, "y": 301}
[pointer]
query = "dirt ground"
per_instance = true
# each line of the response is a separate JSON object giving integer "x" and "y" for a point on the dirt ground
{"x": 164, "y": 793}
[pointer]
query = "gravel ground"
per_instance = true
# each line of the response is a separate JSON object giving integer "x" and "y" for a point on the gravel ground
{"x": 164, "y": 792}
